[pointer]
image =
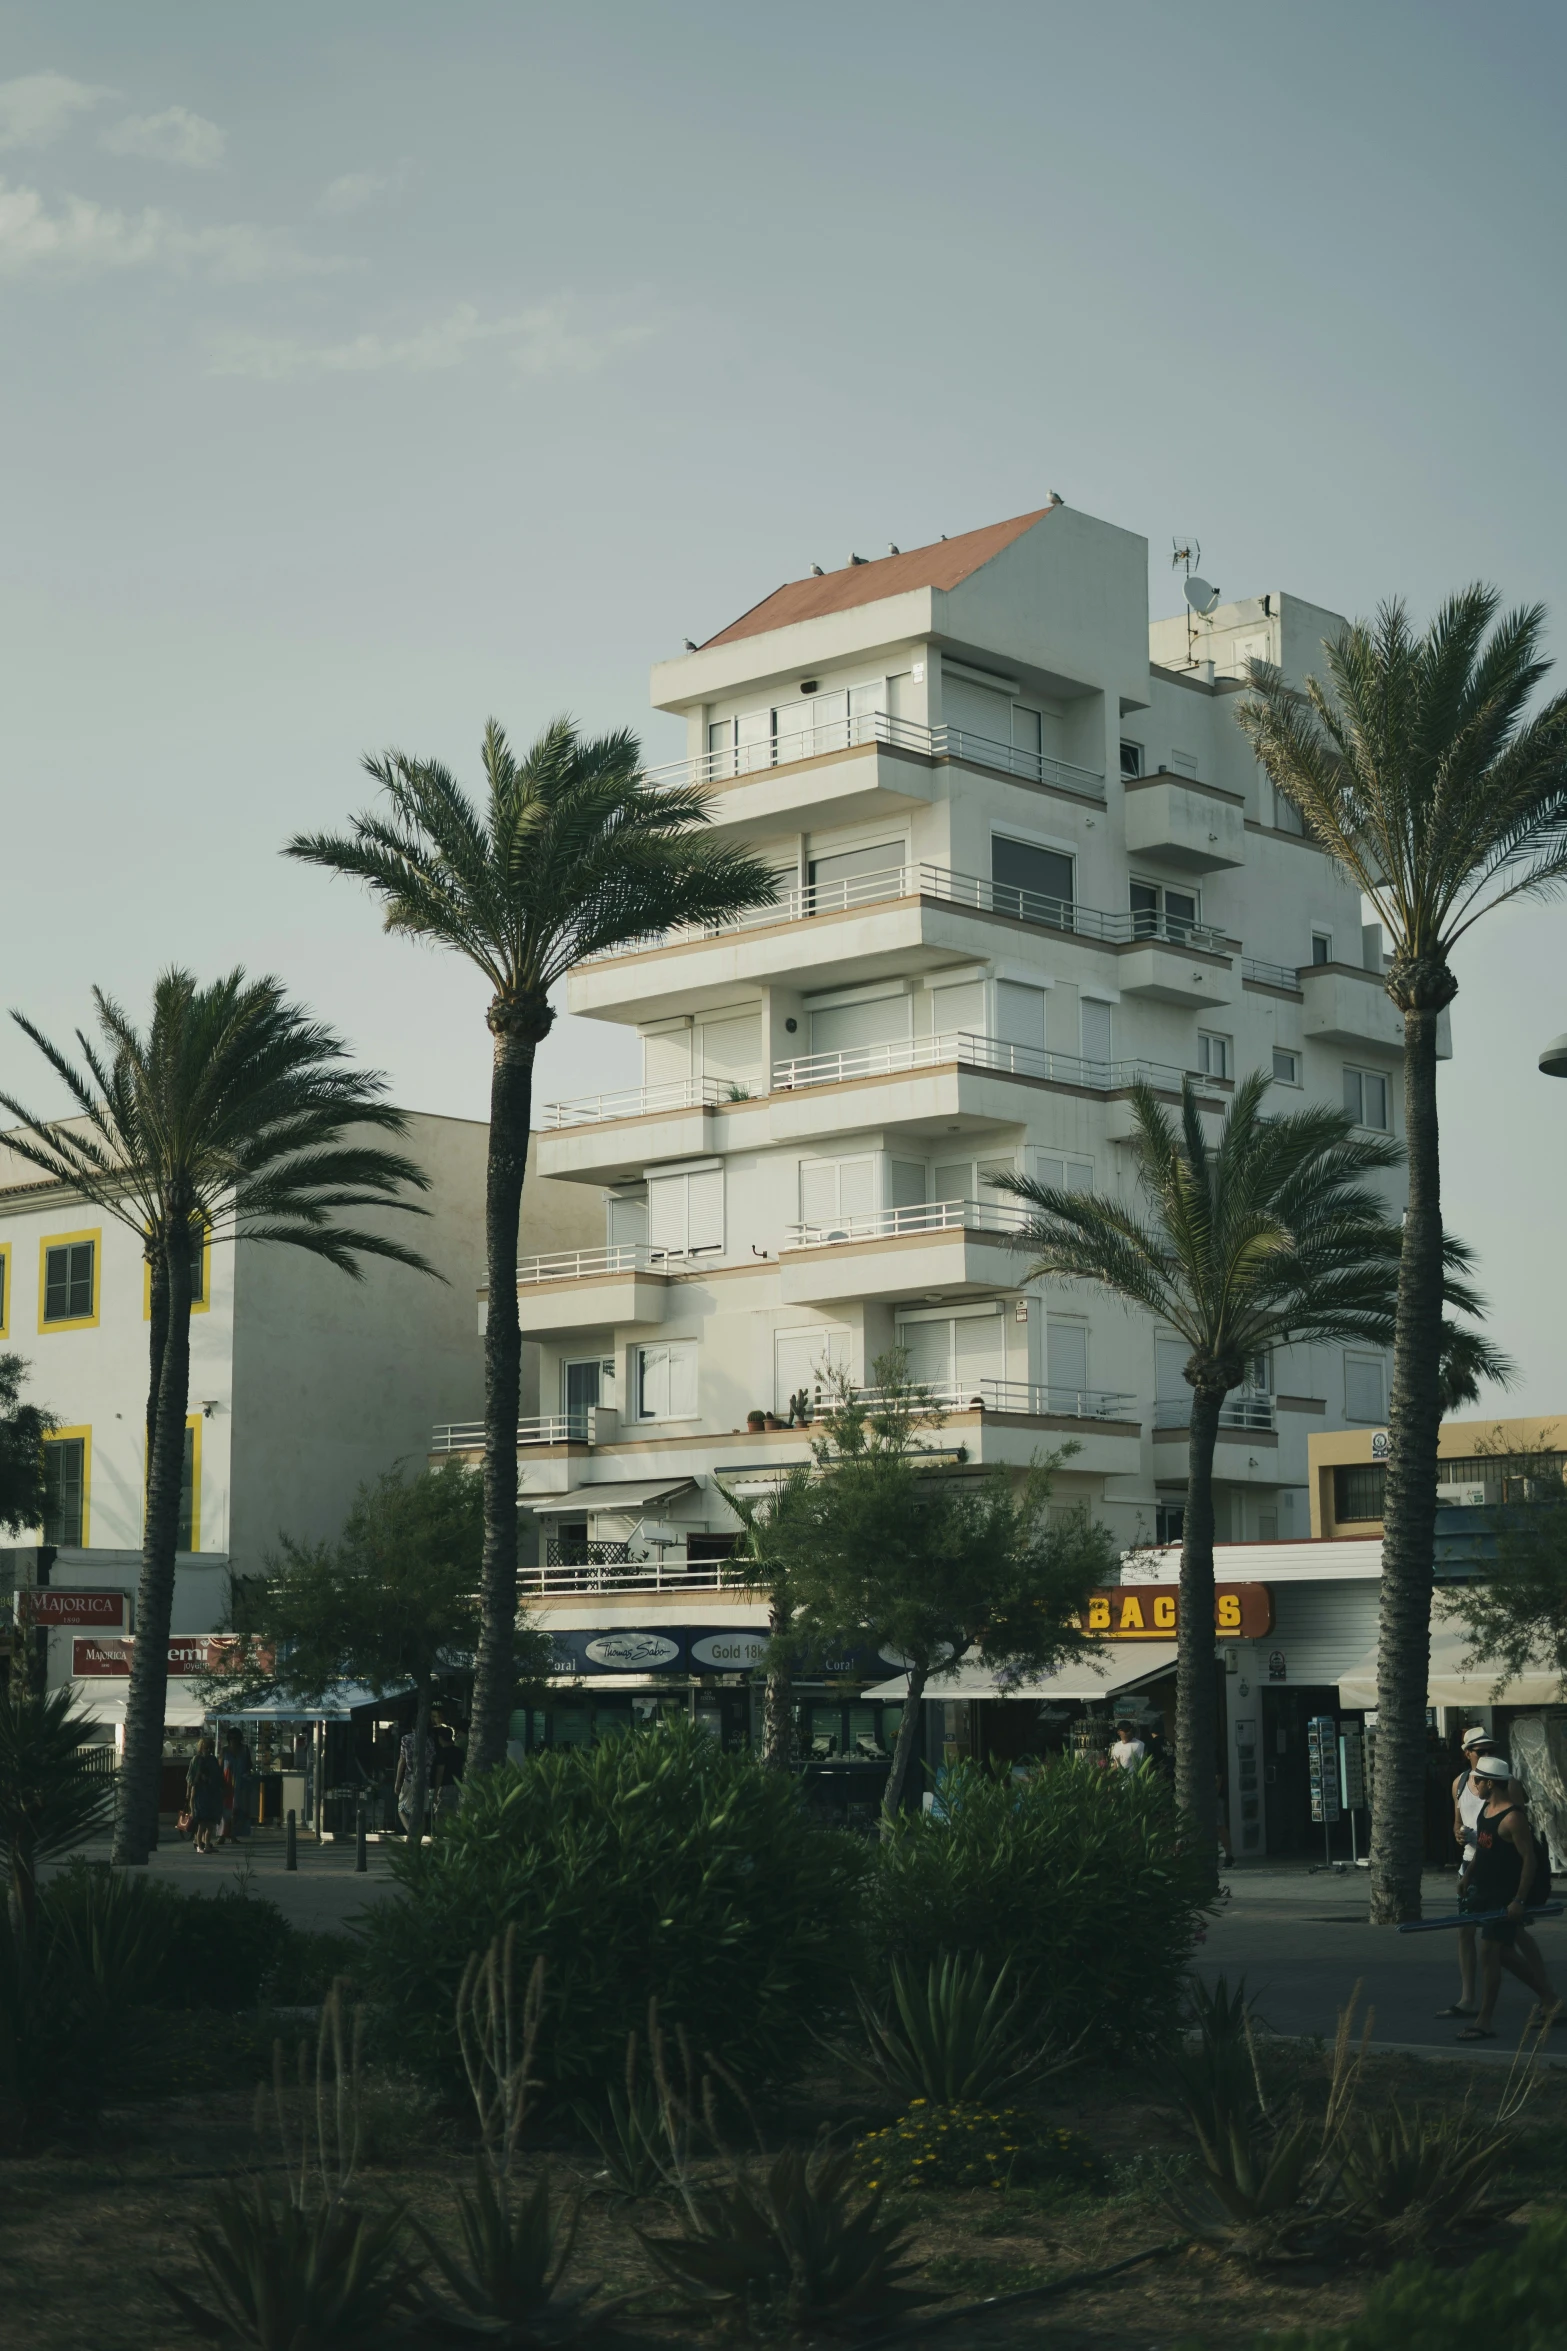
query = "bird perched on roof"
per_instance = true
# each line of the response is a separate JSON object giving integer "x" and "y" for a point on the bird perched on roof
{"x": 691, "y": 644}
{"x": 892, "y": 547}
{"x": 859, "y": 559}
{"x": 817, "y": 572}
{"x": 1056, "y": 498}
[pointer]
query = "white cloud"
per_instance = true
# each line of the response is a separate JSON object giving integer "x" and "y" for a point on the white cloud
{"x": 535, "y": 342}
{"x": 37, "y": 107}
{"x": 174, "y": 136}
{"x": 357, "y": 189}
{"x": 81, "y": 238}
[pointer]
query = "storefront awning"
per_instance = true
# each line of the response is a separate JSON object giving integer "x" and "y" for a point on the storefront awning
{"x": 337, "y": 1706}
{"x": 1450, "y": 1684}
{"x": 105, "y": 1701}
{"x": 1105, "y": 1672}
{"x": 624, "y": 1500}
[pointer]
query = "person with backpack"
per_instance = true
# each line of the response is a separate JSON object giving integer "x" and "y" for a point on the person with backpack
{"x": 1505, "y": 1871}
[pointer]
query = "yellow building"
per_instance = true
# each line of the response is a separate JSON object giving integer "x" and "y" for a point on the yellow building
{"x": 1478, "y": 1461}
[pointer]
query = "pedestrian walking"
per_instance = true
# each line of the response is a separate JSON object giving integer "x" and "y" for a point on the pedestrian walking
{"x": 403, "y": 1784}
{"x": 1503, "y": 1873}
{"x": 238, "y": 1785}
{"x": 1468, "y": 1804}
{"x": 1128, "y": 1752}
{"x": 204, "y": 1794}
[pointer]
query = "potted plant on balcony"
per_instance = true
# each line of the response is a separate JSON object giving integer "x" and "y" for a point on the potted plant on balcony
{"x": 800, "y": 1409}
{"x": 756, "y": 1418}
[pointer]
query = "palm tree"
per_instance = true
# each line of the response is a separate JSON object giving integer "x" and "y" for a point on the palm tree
{"x": 1268, "y": 1238}
{"x": 233, "y": 1118}
{"x": 51, "y": 1795}
{"x": 1417, "y": 767}
{"x": 772, "y": 1532}
{"x": 572, "y": 853}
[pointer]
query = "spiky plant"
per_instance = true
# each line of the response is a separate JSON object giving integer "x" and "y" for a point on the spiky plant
{"x": 1417, "y": 764}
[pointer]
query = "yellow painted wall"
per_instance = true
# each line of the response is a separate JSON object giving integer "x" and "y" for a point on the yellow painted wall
{"x": 1457, "y": 1440}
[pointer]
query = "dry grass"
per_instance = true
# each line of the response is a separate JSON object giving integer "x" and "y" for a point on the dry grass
{"x": 82, "y": 2228}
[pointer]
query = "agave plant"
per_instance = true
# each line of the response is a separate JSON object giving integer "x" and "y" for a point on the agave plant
{"x": 507, "y": 2280}
{"x": 1408, "y": 2181}
{"x": 958, "y": 2038}
{"x": 785, "y": 2240}
{"x": 1216, "y": 2077}
{"x": 629, "y": 2131}
{"x": 278, "y": 2279}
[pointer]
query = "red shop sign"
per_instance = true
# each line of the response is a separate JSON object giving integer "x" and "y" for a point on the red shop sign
{"x": 193, "y": 1653}
{"x": 102, "y": 1609}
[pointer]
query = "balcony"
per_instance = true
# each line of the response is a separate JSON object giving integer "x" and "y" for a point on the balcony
{"x": 592, "y": 1289}
{"x": 950, "y": 1248}
{"x": 556, "y": 1428}
{"x": 1253, "y": 1414}
{"x": 608, "y": 1138}
{"x": 1347, "y": 1005}
{"x": 600, "y": 1570}
{"x": 1194, "y": 826}
{"x": 826, "y": 737}
{"x": 969, "y": 1051}
{"x": 1018, "y": 1397}
{"x": 636, "y": 1102}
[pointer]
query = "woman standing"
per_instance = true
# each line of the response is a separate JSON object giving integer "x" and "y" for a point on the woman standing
{"x": 204, "y": 1793}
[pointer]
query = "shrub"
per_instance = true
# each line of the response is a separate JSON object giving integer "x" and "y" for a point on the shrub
{"x": 651, "y": 1866}
{"x": 966, "y": 2145}
{"x": 1086, "y": 1881}
{"x": 1515, "y": 2296}
{"x": 170, "y": 1949}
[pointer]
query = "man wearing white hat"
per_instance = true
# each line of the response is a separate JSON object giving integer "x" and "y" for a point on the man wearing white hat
{"x": 1468, "y": 1804}
{"x": 1500, "y": 1878}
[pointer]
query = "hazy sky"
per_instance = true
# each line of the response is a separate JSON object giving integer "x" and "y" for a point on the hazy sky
{"x": 369, "y": 369}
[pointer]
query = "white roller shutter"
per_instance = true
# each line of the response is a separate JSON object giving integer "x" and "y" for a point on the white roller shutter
{"x": 929, "y": 1347}
{"x": 686, "y": 1211}
{"x": 667, "y": 1058}
{"x": 808, "y": 1360}
{"x": 961, "y": 1008}
{"x": 732, "y": 1048}
{"x": 832, "y": 1190}
{"x": 1020, "y": 1013}
{"x": 1066, "y": 1354}
{"x": 884, "y": 1021}
{"x": 705, "y": 1210}
{"x": 977, "y": 710}
{"x": 978, "y": 1349}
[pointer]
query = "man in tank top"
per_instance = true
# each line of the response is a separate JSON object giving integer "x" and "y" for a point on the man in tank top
{"x": 1499, "y": 1875}
{"x": 1468, "y": 1804}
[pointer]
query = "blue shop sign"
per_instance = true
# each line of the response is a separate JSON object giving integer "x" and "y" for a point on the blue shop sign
{"x": 676, "y": 1649}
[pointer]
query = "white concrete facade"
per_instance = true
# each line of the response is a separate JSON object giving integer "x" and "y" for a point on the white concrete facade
{"x": 1023, "y": 853}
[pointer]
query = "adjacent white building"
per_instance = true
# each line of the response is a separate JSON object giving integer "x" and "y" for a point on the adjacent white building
{"x": 1023, "y": 855}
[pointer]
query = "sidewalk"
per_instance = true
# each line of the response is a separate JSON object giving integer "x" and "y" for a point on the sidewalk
{"x": 325, "y": 1891}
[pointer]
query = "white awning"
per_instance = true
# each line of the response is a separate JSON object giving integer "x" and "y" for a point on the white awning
{"x": 626, "y": 1500}
{"x": 1450, "y": 1684}
{"x": 1105, "y": 1672}
{"x": 103, "y": 1696}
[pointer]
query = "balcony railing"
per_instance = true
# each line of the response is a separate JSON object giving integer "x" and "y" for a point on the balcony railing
{"x": 562, "y": 1579}
{"x": 636, "y": 1101}
{"x": 928, "y": 1216}
{"x": 1021, "y": 1396}
{"x": 821, "y": 734}
{"x": 1236, "y": 1412}
{"x": 1272, "y": 975}
{"x": 971, "y": 1052}
{"x": 549, "y": 1428}
{"x": 581, "y": 1265}
{"x": 806, "y": 902}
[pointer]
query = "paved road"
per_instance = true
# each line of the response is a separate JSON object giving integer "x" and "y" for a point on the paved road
{"x": 323, "y": 1892}
{"x": 1302, "y": 1940}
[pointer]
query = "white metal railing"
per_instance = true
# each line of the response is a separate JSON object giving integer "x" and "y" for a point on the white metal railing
{"x": 1272, "y": 975}
{"x": 548, "y": 1428}
{"x": 819, "y": 734}
{"x": 973, "y": 1052}
{"x": 1236, "y": 1412}
{"x": 635, "y": 1101}
{"x": 928, "y": 1216}
{"x": 1021, "y": 1396}
{"x": 570, "y": 1265}
{"x": 676, "y": 1573}
{"x": 803, "y": 903}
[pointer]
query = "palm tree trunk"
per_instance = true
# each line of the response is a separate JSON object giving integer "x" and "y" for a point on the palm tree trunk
{"x": 1409, "y": 1510}
{"x": 776, "y": 1742}
{"x": 511, "y": 1113}
{"x": 903, "y": 1748}
{"x": 1196, "y": 1687}
{"x": 136, "y": 1818}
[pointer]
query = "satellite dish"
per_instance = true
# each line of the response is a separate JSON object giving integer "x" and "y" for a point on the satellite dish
{"x": 1200, "y": 596}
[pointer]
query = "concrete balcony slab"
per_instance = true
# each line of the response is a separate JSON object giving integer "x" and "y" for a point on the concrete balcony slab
{"x": 945, "y": 1264}
{"x": 1346, "y": 1005}
{"x": 1183, "y": 823}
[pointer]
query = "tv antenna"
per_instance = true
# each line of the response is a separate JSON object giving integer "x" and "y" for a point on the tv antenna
{"x": 1200, "y": 597}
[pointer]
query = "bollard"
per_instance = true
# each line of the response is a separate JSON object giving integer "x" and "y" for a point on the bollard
{"x": 290, "y": 1853}
{"x": 361, "y": 1850}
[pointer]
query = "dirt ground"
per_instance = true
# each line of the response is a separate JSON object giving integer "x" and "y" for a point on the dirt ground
{"x": 84, "y": 2226}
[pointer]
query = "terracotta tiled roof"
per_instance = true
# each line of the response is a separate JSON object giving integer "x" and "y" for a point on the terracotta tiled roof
{"x": 940, "y": 566}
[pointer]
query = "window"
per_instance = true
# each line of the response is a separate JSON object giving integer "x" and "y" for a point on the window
{"x": 665, "y": 1379}
{"x": 1365, "y": 1098}
{"x": 1259, "y": 1374}
{"x": 1214, "y": 1055}
{"x": 1358, "y": 1491}
{"x": 587, "y": 1382}
{"x": 1131, "y": 759}
{"x": 1169, "y": 1521}
{"x": 686, "y": 1210}
{"x": 1066, "y": 1362}
{"x": 1321, "y": 948}
{"x": 845, "y": 1028}
{"x": 200, "y": 1276}
{"x": 809, "y": 1360}
{"x": 955, "y": 1350}
{"x": 188, "y": 1538}
{"x": 1286, "y": 1067}
{"x": 1059, "y": 1173}
{"x": 1365, "y": 1388}
{"x": 1033, "y": 883}
{"x": 1158, "y": 913}
{"x": 65, "y": 1488}
{"x": 969, "y": 1179}
{"x": 69, "y": 1288}
{"x": 1095, "y": 1030}
{"x": 1028, "y": 735}
{"x": 832, "y": 1191}
{"x": 855, "y": 877}
{"x": 1183, "y": 763}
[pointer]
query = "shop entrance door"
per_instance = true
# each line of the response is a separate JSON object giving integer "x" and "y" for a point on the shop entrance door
{"x": 1286, "y": 1771}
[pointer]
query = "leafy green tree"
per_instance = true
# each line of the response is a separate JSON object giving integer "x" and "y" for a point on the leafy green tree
{"x": 1266, "y": 1238}
{"x": 1516, "y": 1614}
{"x": 1417, "y": 766}
{"x": 51, "y": 1795}
{"x": 23, "y": 1428}
{"x": 232, "y": 1118}
{"x": 771, "y": 1530}
{"x": 918, "y": 1558}
{"x": 394, "y": 1601}
{"x": 572, "y": 852}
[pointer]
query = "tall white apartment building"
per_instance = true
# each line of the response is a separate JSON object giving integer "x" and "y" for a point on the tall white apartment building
{"x": 1023, "y": 855}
